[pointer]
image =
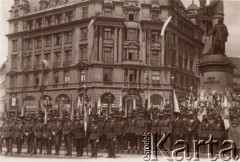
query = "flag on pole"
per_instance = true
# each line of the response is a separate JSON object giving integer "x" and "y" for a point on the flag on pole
{"x": 175, "y": 103}
{"x": 200, "y": 114}
{"x": 79, "y": 105}
{"x": 134, "y": 104}
{"x": 85, "y": 117}
{"x": 120, "y": 102}
{"x": 45, "y": 112}
{"x": 226, "y": 123}
{"x": 72, "y": 110}
{"x": 225, "y": 101}
{"x": 93, "y": 20}
{"x": 165, "y": 25}
{"x": 148, "y": 101}
{"x": 23, "y": 109}
{"x": 45, "y": 63}
{"x": 99, "y": 106}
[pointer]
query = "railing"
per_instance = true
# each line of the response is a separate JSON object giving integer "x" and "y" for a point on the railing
{"x": 56, "y": 64}
{"x": 66, "y": 63}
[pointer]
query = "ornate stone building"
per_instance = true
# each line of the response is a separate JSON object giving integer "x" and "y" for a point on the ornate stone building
{"x": 119, "y": 57}
{"x": 2, "y": 89}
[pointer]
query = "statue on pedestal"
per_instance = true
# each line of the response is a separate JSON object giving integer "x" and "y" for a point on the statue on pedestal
{"x": 220, "y": 34}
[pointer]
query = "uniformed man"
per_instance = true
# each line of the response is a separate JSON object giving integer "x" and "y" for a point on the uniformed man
{"x": 140, "y": 129}
{"x": 155, "y": 129}
{"x": 167, "y": 128}
{"x": 18, "y": 135}
{"x": 29, "y": 136}
{"x": 7, "y": 134}
{"x": 67, "y": 134}
{"x": 38, "y": 135}
{"x": 203, "y": 131}
{"x": 120, "y": 124}
{"x": 179, "y": 128}
{"x": 93, "y": 136}
{"x": 47, "y": 137}
{"x": 191, "y": 127}
{"x": 110, "y": 131}
{"x": 79, "y": 135}
{"x": 101, "y": 127}
{"x": 57, "y": 134}
{"x": 131, "y": 132}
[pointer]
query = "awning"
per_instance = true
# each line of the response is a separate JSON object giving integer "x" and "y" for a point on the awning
{"x": 132, "y": 25}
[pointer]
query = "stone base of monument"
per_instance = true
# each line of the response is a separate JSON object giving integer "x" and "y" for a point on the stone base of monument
{"x": 216, "y": 73}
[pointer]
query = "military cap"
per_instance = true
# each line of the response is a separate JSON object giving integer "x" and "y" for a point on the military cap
{"x": 67, "y": 117}
{"x": 190, "y": 113}
{"x": 18, "y": 119}
{"x": 39, "y": 118}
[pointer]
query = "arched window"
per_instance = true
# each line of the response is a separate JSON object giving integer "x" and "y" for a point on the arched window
{"x": 107, "y": 98}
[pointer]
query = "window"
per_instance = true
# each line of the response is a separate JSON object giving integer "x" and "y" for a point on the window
{"x": 58, "y": 18}
{"x": 108, "y": 12}
{"x": 56, "y": 77}
{"x": 155, "y": 57}
{"x": 132, "y": 34}
{"x": 181, "y": 81}
{"x": 68, "y": 37}
{"x": 30, "y": 24}
{"x": 131, "y": 55}
{"x": 26, "y": 80}
{"x": 173, "y": 59}
{"x": 132, "y": 76}
{"x": 48, "y": 40}
{"x": 107, "y": 75}
{"x": 38, "y": 42}
{"x": 66, "y": 77}
{"x": 48, "y": 21}
{"x": 82, "y": 76}
{"x": 83, "y": 53}
{"x": 14, "y": 45}
{"x": 15, "y": 27}
{"x": 155, "y": 77}
{"x": 191, "y": 65}
{"x": 57, "y": 58}
{"x": 67, "y": 59}
{"x": 58, "y": 39}
{"x": 155, "y": 36}
{"x": 155, "y": 16}
{"x": 107, "y": 55}
{"x": 14, "y": 62}
{"x": 180, "y": 62}
{"x": 28, "y": 43}
{"x": 47, "y": 56}
{"x": 107, "y": 33}
{"x": 36, "y": 79}
{"x": 16, "y": 13}
{"x": 83, "y": 33}
{"x": 85, "y": 12}
{"x": 39, "y": 23}
{"x": 186, "y": 64}
{"x": 69, "y": 16}
{"x": 130, "y": 17}
{"x": 37, "y": 62}
{"x": 13, "y": 81}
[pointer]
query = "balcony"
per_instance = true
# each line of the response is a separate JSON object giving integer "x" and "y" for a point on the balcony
{"x": 155, "y": 62}
{"x": 67, "y": 63}
{"x": 56, "y": 64}
{"x": 27, "y": 67}
{"x": 108, "y": 60}
{"x": 36, "y": 67}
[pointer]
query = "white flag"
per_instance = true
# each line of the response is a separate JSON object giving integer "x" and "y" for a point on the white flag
{"x": 225, "y": 101}
{"x": 93, "y": 20}
{"x": 134, "y": 104}
{"x": 120, "y": 103}
{"x": 175, "y": 102}
{"x": 165, "y": 25}
{"x": 46, "y": 63}
{"x": 99, "y": 106}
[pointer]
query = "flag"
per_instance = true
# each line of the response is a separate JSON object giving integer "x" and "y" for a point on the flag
{"x": 45, "y": 63}
{"x": 45, "y": 112}
{"x": 85, "y": 117}
{"x": 23, "y": 109}
{"x": 200, "y": 114}
{"x": 148, "y": 100}
{"x": 42, "y": 108}
{"x": 93, "y": 20}
{"x": 120, "y": 102}
{"x": 134, "y": 104}
{"x": 165, "y": 25}
{"x": 225, "y": 101}
{"x": 79, "y": 105}
{"x": 226, "y": 123}
{"x": 99, "y": 107}
{"x": 72, "y": 110}
{"x": 175, "y": 103}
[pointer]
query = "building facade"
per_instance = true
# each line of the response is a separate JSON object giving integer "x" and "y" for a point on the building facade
{"x": 2, "y": 89}
{"x": 118, "y": 59}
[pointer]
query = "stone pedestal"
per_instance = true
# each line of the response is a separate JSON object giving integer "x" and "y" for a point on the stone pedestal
{"x": 216, "y": 73}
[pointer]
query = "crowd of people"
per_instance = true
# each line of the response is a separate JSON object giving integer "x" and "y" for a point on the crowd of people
{"x": 115, "y": 131}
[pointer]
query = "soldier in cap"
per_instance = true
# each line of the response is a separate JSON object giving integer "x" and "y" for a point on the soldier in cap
{"x": 57, "y": 134}
{"x": 47, "y": 136}
{"x": 101, "y": 127}
{"x": 155, "y": 128}
{"x": 110, "y": 131}
{"x": 120, "y": 124}
{"x": 93, "y": 136}
{"x": 178, "y": 126}
{"x": 18, "y": 135}
{"x": 29, "y": 136}
{"x": 131, "y": 136}
{"x": 203, "y": 131}
{"x": 79, "y": 135}
{"x": 67, "y": 134}
{"x": 38, "y": 135}
{"x": 218, "y": 131}
{"x": 167, "y": 127}
{"x": 234, "y": 134}
{"x": 7, "y": 135}
{"x": 140, "y": 129}
{"x": 191, "y": 127}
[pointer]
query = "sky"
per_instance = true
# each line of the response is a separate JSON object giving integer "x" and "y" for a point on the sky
{"x": 232, "y": 20}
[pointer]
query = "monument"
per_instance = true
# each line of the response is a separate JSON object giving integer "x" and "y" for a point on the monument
{"x": 216, "y": 70}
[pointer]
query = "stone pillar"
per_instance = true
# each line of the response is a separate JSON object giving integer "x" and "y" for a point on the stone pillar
{"x": 100, "y": 43}
{"x": 120, "y": 43}
{"x": 115, "y": 45}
